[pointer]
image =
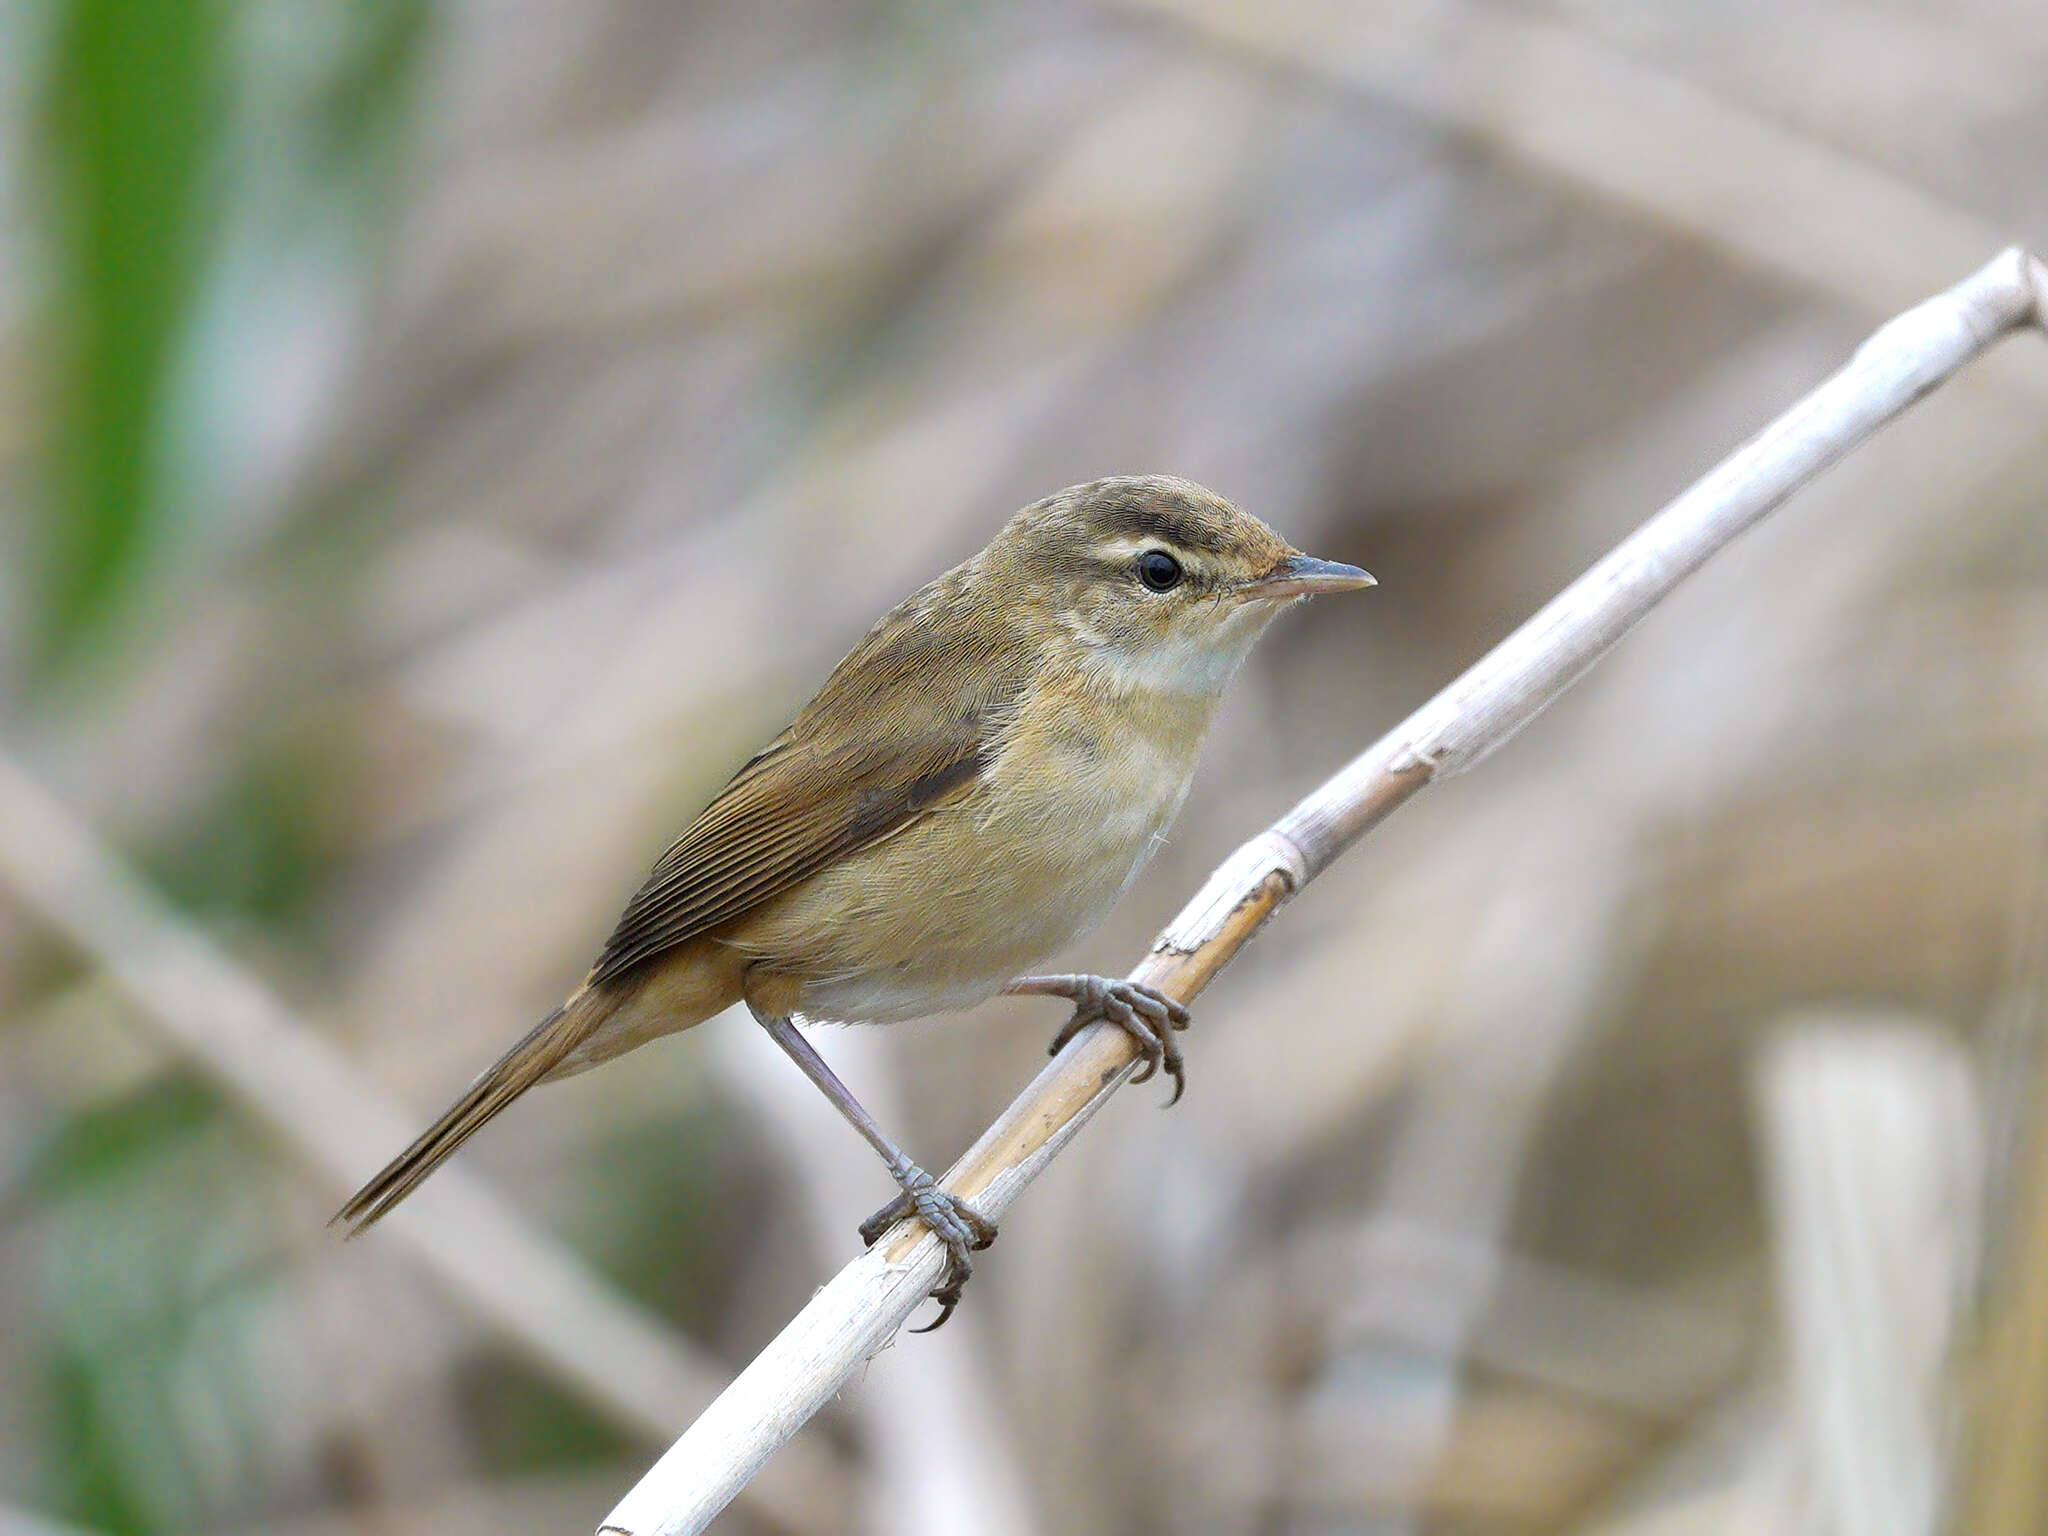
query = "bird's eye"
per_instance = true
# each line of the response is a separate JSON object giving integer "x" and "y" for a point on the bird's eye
{"x": 1159, "y": 570}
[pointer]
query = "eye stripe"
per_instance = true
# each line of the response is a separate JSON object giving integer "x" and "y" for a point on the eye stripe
{"x": 1121, "y": 551}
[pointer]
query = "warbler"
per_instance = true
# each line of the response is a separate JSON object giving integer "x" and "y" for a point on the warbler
{"x": 972, "y": 789}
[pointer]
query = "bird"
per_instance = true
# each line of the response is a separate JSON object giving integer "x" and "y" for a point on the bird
{"x": 972, "y": 789}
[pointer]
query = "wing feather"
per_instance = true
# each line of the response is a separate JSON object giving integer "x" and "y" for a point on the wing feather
{"x": 908, "y": 722}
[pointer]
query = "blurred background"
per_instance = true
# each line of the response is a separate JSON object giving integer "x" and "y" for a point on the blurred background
{"x": 440, "y": 441}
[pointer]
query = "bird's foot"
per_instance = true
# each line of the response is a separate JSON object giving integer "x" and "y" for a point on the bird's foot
{"x": 952, "y": 1221}
{"x": 1144, "y": 1013}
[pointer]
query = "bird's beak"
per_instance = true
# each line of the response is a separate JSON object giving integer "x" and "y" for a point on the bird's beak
{"x": 1305, "y": 576}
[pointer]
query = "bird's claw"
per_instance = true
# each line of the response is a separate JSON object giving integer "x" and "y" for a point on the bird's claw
{"x": 1144, "y": 1013}
{"x": 896, "y": 1210}
{"x": 952, "y": 1221}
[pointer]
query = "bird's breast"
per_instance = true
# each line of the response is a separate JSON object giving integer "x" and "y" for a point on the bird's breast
{"x": 939, "y": 915}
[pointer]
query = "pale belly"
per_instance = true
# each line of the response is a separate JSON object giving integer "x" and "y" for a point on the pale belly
{"x": 939, "y": 916}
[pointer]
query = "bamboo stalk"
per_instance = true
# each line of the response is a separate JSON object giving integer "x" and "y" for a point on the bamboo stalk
{"x": 862, "y": 1308}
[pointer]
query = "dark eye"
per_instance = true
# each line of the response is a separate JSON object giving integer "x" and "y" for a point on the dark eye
{"x": 1158, "y": 570}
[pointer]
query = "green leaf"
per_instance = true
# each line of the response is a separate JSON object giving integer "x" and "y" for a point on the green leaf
{"x": 135, "y": 112}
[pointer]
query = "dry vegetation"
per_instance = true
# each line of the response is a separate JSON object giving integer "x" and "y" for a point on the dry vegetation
{"x": 1637, "y": 1138}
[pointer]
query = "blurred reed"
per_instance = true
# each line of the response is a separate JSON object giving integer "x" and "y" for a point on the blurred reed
{"x": 395, "y": 397}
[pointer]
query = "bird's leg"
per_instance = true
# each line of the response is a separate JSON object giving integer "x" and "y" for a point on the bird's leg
{"x": 1144, "y": 1013}
{"x": 952, "y": 1220}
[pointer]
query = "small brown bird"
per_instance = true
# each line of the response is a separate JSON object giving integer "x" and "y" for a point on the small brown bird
{"x": 972, "y": 789}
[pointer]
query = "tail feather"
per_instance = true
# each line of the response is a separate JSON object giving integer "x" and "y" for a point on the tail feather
{"x": 532, "y": 1059}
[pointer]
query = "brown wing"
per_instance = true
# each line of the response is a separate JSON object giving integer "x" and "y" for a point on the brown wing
{"x": 907, "y": 722}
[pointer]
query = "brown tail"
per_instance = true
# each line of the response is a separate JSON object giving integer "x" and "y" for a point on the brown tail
{"x": 532, "y": 1059}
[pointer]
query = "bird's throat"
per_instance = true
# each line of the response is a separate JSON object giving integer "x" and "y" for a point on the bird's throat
{"x": 1193, "y": 665}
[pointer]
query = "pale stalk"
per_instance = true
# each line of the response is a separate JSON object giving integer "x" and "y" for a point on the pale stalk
{"x": 864, "y": 1306}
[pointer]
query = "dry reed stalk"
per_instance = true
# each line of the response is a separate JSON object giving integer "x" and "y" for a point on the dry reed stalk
{"x": 1873, "y": 1138}
{"x": 864, "y": 1306}
{"x": 2004, "y": 1487}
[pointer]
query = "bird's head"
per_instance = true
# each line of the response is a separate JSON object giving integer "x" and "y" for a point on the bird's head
{"x": 1163, "y": 583}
